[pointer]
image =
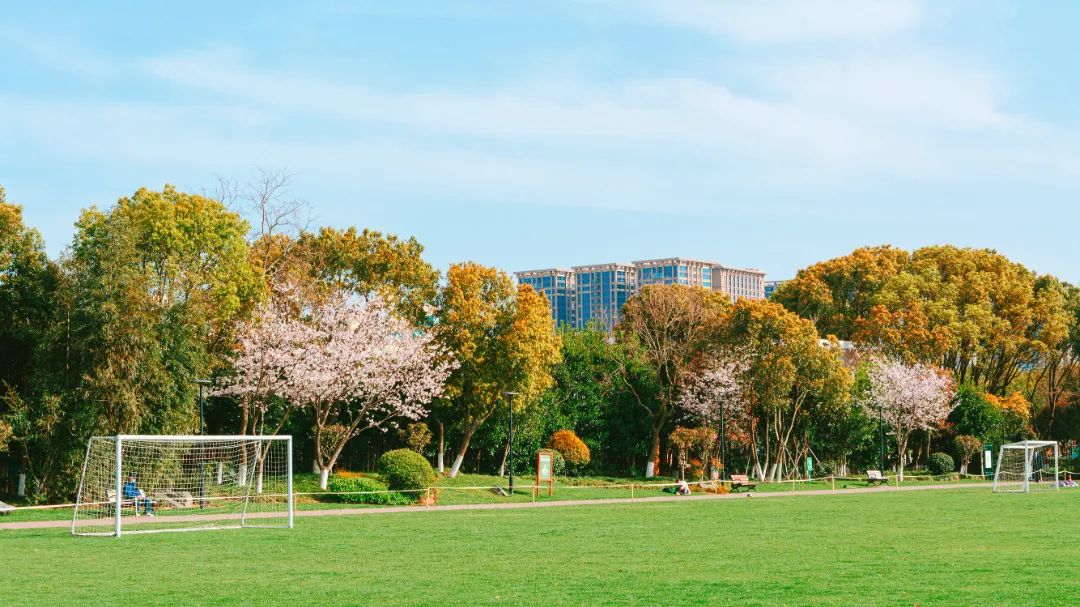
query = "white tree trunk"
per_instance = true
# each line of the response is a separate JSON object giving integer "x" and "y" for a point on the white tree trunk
{"x": 774, "y": 472}
{"x": 442, "y": 450}
{"x": 457, "y": 466}
{"x": 324, "y": 478}
{"x": 650, "y": 469}
{"x": 220, "y": 472}
{"x": 759, "y": 473}
{"x": 258, "y": 483}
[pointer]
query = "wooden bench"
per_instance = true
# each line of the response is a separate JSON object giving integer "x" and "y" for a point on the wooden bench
{"x": 129, "y": 502}
{"x": 875, "y": 477}
{"x": 742, "y": 481}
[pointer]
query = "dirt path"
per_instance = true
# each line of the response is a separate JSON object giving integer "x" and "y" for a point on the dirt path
{"x": 506, "y": 506}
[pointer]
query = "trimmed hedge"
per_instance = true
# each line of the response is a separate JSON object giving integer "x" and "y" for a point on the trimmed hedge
{"x": 940, "y": 463}
{"x": 406, "y": 469}
{"x": 365, "y": 483}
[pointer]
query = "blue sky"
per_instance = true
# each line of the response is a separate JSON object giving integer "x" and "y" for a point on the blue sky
{"x": 768, "y": 134}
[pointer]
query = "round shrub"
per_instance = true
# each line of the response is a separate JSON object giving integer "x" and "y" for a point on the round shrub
{"x": 351, "y": 482}
{"x": 558, "y": 464}
{"x": 940, "y": 463}
{"x": 404, "y": 469}
{"x": 573, "y": 449}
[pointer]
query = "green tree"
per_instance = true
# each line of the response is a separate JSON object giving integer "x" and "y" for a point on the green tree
{"x": 793, "y": 378}
{"x": 834, "y": 293}
{"x": 663, "y": 329}
{"x": 364, "y": 262}
{"x": 503, "y": 339}
{"x": 33, "y": 427}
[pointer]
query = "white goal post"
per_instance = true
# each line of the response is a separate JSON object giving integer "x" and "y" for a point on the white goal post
{"x": 1027, "y": 466}
{"x": 152, "y": 483}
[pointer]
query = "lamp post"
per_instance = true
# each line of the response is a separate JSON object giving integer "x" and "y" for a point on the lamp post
{"x": 510, "y": 446}
{"x": 881, "y": 438}
{"x": 202, "y": 446}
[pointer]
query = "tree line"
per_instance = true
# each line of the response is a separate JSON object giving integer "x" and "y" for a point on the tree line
{"x": 354, "y": 344}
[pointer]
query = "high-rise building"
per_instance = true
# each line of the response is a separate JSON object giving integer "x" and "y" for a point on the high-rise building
{"x": 675, "y": 271}
{"x": 559, "y": 286}
{"x": 597, "y": 293}
{"x": 602, "y": 289}
{"x": 739, "y": 282}
{"x": 771, "y": 286}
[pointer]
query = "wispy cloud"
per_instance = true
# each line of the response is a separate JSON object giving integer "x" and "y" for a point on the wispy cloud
{"x": 787, "y": 21}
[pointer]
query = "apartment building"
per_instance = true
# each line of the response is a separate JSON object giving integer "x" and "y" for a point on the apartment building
{"x": 596, "y": 293}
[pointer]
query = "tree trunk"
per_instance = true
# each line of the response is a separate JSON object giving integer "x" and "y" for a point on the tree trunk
{"x": 654, "y": 452}
{"x": 502, "y": 465}
{"x": 324, "y": 478}
{"x": 442, "y": 449}
{"x": 901, "y": 447}
{"x": 469, "y": 430}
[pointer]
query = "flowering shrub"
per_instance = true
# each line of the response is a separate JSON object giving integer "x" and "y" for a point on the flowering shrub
{"x": 573, "y": 449}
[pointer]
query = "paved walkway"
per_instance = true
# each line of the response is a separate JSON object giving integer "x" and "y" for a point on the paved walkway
{"x": 505, "y": 506}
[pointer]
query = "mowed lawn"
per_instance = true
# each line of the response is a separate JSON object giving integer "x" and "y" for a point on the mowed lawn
{"x": 939, "y": 547}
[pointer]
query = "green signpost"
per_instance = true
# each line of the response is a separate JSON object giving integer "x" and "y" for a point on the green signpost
{"x": 988, "y": 461}
{"x": 809, "y": 467}
{"x": 545, "y": 473}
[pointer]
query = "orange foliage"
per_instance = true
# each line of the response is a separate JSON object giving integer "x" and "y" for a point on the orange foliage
{"x": 573, "y": 450}
{"x": 1014, "y": 403}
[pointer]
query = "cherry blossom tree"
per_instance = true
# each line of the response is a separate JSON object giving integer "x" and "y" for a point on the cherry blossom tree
{"x": 366, "y": 368}
{"x": 909, "y": 398}
{"x": 271, "y": 346}
{"x": 715, "y": 393}
{"x": 355, "y": 364}
{"x": 717, "y": 389}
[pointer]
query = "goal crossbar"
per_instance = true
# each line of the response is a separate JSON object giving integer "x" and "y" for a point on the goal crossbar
{"x": 144, "y": 483}
{"x": 1025, "y": 466}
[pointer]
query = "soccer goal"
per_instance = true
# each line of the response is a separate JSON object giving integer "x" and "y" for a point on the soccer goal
{"x": 151, "y": 483}
{"x": 1027, "y": 466}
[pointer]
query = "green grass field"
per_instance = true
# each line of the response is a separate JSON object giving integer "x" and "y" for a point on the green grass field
{"x": 939, "y": 547}
{"x": 461, "y": 490}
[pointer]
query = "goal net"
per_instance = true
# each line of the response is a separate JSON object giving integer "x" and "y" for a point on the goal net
{"x": 1027, "y": 466}
{"x": 149, "y": 483}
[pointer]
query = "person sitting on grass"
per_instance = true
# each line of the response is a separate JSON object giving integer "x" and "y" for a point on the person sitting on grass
{"x": 683, "y": 489}
{"x": 132, "y": 492}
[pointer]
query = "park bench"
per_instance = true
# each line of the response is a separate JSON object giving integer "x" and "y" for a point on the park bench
{"x": 875, "y": 477}
{"x": 742, "y": 481}
{"x": 127, "y": 502}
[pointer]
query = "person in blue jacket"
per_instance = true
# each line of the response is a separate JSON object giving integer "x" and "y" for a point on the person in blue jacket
{"x": 132, "y": 492}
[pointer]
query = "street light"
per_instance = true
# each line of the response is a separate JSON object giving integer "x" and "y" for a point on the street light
{"x": 881, "y": 438}
{"x": 510, "y": 447}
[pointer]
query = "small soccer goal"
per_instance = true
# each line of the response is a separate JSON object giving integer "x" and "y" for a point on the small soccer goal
{"x": 155, "y": 483}
{"x": 1027, "y": 466}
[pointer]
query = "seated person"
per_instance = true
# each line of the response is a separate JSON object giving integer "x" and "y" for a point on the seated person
{"x": 683, "y": 489}
{"x": 132, "y": 492}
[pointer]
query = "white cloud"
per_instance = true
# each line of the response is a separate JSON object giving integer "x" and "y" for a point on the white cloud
{"x": 785, "y": 21}
{"x": 910, "y": 115}
{"x": 799, "y": 122}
